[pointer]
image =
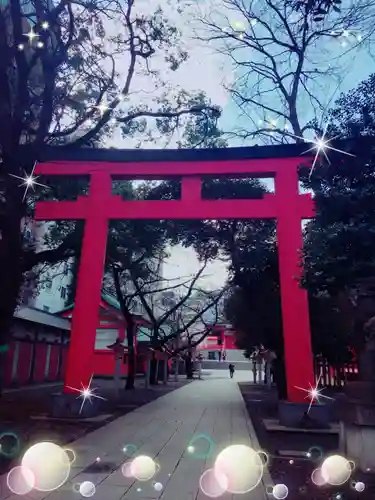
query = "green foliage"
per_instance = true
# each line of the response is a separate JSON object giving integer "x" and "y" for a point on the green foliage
{"x": 338, "y": 255}
{"x": 353, "y": 114}
{"x": 339, "y": 241}
{"x": 318, "y": 9}
{"x": 216, "y": 238}
{"x": 254, "y": 307}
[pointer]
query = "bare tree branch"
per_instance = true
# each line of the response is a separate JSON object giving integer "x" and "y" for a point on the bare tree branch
{"x": 279, "y": 57}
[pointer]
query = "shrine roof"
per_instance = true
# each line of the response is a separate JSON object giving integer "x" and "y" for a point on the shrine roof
{"x": 70, "y": 153}
{"x": 42, "y": 317}
{"x": 111, "y": 301}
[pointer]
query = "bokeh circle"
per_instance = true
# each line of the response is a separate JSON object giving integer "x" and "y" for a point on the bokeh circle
{"x": 280, "y": 491}
{"x": 241, "y": 467}
{"x": 9, "y": 444}
{"x": 158, "y": 486}
{"x": 76, "y": 487}
{"x": 71, "y": 455}
{"x": 87, "y": 489}
{"x": 317, "y": 478}
{"x": 143, "y": 468}
{"x": 315, "y": 453}
{"x": 20, "y": 480}
{"x": 211, "y": 486}
{"x": 201, "y": 447}
{"x": 336, "y": 470}
{"x": 129, "y": 449}
{"x": 126, "y": 469}
{"x": 264, "y": 457}
{"x": 49, "y": 464}
{"x": 359, "y": 487}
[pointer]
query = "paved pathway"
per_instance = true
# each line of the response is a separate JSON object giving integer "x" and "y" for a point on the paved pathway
{"x": 163, "y": 429}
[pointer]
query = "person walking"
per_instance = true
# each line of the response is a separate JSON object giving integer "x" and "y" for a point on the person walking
{"x": 270, "y": 357}
{"x": 258, "y": 358}
{"x": 199, "y": 363}
{"x": 231, "y": 369}
{"x": 118, "y": 349}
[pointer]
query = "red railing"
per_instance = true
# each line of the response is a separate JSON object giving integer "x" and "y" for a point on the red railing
{"x": 334, "y": 376}
{"x": 328, "y": 376}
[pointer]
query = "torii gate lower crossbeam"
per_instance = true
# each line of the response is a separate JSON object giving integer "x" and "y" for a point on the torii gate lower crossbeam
{"x": 100, "y": 206}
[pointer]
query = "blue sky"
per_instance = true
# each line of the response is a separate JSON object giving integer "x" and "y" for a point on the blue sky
{"x": 357, "y": 66}
{"x": 205, "y": 70}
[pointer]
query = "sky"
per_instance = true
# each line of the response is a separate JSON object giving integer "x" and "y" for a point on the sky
{"x": 206, "y": 70}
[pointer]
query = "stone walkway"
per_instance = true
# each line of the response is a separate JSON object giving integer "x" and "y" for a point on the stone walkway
{"x": 163, "y": 430}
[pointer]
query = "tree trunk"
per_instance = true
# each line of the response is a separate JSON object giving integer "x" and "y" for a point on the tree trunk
{"x": 162, "y": 371}
{"x": 130, "y": 379}
{"x": 153, "y": 368}
{"x": 165, "y": 371}
{"x": 33, "y": 356}
{"x": 11, "y": 270}
{"x": 147, "y": 374}
{"x": 280, "y": 378}
{"x": 61, "y": 354}
{"x": 189, "y": 367}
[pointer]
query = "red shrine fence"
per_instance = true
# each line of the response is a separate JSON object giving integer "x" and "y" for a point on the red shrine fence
{"x": 286, "y": 205}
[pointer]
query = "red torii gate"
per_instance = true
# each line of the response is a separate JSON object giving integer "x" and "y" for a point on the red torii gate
{"x": 286, "y": 205}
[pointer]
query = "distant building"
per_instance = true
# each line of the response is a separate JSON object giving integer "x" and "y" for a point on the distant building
{"x": 47, "y": 286}
{"x": 221, "y": 340}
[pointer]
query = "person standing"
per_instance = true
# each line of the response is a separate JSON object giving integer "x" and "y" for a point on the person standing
{"x": 199, "y": 360}
{"x": 270, "y": 357}
{"x": 118, "y": 350}
{"x": 232, "y": 369}
{"x": 258, "y": 356}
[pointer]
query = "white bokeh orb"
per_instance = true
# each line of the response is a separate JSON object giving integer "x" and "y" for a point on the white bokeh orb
{"x": 210, "y": 486}
{"x": 49, "y": 464}
{"x": 20, "y": 480}
{"x": 317, "y": 478}
{"x": 336, "y": 470}
{"x": 158, "y": 486}
{"x": 242, "y": 468}
{"x": 280, "y": 491}
{"x": 359, "y": 487}
{"x": 143, "y": 468}
{"x": 87, "y": 489}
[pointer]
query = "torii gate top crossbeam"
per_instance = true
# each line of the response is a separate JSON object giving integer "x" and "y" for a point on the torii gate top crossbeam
{"x": 159, "y": 170}
{"x": 262, "y": 161}
{"x": 102, "y": 166}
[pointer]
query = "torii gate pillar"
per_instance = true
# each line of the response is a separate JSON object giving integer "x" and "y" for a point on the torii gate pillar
{"x": 286, "y": 205}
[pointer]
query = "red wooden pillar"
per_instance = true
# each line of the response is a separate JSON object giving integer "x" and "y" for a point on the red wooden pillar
{"x": 121, "y": 332}
{"x": 294, "y": 303}
{"x": 79, "y": 367}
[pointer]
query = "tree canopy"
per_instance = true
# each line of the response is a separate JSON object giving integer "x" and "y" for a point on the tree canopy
{"x": 67, "y": 78}
{"x": 339, "y": 240}
{"x": 338, "y": 260}
{"x": 338, "y": 244}
{"x": 276, "y": 50}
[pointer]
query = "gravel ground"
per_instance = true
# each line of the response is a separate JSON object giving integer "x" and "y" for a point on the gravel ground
{"x": 18, "y": 430}
{"x": 292, "y": 470}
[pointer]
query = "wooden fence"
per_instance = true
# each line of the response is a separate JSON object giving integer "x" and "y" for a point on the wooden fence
{"x": 334, "y": 376}
{"x": 328, "y": 376}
